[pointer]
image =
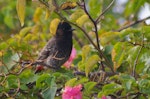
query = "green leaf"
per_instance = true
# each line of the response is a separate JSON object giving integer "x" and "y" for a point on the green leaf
{"x": 85, "y": 52}
{"x": 9, "y": 60}
{"x": 89, "y": 86}
{"x": 9, "y": 21}
{"x": 13, "y": 42}
{"x": 3, "y": 45}
{"x": 28, "y": 37}
{"x": 28, "y": 76}
{"x": 128, "y": 85}
{"x": 132, "y": 7}
{"x": 81, "y": 66}
{"x": 89, "y": 65}
{"x": 82, "y": 81}
{"x": 71, "y": 82}
{"x": 95, "y": 8}
{"x": 108, "y": 49}
{"x": 111, "y": 86}
{"x": 128, "y": 81}
{"x": 81, "y": 20}
{"x": 146, "y": 32}
{"x": 78, "y": 13}
{"x": 146, "y": 59}
{"x": 49, "y": 93}
{"x": 132, "y": 54}
{"x": 128, "y": 31}
{"x": 24, "y": 31}
{"x": 109, "y": 89}
{"x": 57, "y": 74}
{"x": 144, "y": 86}
{"x": 12, "y": 81}
{"x": 2, "y": 88}
{"x": 108, "y": 37}
{"x": 118, "y": 54}
{"x": 40, "y": 83}
{"x": 109, "y": 23}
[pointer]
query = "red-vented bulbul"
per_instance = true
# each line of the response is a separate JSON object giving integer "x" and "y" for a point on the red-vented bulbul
{"x": 58, "y": 49}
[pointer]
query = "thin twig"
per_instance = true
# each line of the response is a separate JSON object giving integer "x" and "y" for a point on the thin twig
{"x": 133, "y": 23}
{"x": 138, "y": 44}
{"x": 129, "y": 94}
{"x": 44, "y": 3}
{"x": 94, "y": 23}
{"x": 5, "y": 77}
{"x": 18, "y": 73}
{"x": 17, "y": 90}
{"x": 3, "y": 63}
{"x": 136, "y": 60}
{"x": 105, "y": 10}
{"x": 137, "y": 57}
{"x": 96, "y": 33}
{"x": 107, "y": 74}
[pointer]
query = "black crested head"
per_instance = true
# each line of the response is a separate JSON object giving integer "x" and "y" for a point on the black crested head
{"x": 64, "y": 29}
{"x": 64, "y": 26}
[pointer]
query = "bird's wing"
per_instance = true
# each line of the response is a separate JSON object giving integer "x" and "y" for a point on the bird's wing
{"x": 47, "y": 50}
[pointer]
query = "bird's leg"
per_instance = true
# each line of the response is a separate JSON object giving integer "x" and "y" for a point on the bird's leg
{"x": 57, "y": 57}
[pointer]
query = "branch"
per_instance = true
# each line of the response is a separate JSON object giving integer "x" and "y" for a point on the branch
{"x": 94, "y": 23}
{"x": 17, "y": 73}
{"x": 97, "y": 20}
{"x": 17, "y": 90}
{"x": 44, "y": 3}
{"x": 96, "y": 33}
{"x": 89, "y": 38}
{"x": 107, "y": 74}
{"x": 137, "y": 57}
{"x": 138, "y": 44}
{"x": 130, "y": 94}
{"x": 133, "y": 23}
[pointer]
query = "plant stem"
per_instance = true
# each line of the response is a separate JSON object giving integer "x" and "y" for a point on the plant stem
{"x": 133, "y": 23}
{"x": 137, "y": 57}
{"x": 94, "y": 23}
{"x": 97, "y": 20}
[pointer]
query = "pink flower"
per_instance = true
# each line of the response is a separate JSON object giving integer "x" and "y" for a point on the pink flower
{"x": 72, "y": 92}
{"x": 104, "y": 97}
{"x": 68, "y": 63}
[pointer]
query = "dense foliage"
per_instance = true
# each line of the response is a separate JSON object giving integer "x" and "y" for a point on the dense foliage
{"x": 112, "y": 44}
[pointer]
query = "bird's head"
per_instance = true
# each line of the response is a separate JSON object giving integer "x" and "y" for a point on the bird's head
{"x": 64, "y": 29}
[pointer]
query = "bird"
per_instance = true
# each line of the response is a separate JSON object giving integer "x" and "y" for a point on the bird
{"x": 58, "y": 49}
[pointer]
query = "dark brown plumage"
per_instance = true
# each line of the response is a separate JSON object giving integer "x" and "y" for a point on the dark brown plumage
{"x": 58, "y": 49}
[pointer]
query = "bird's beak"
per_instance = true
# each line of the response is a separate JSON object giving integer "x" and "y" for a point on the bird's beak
{"x": 71, "y": 29}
